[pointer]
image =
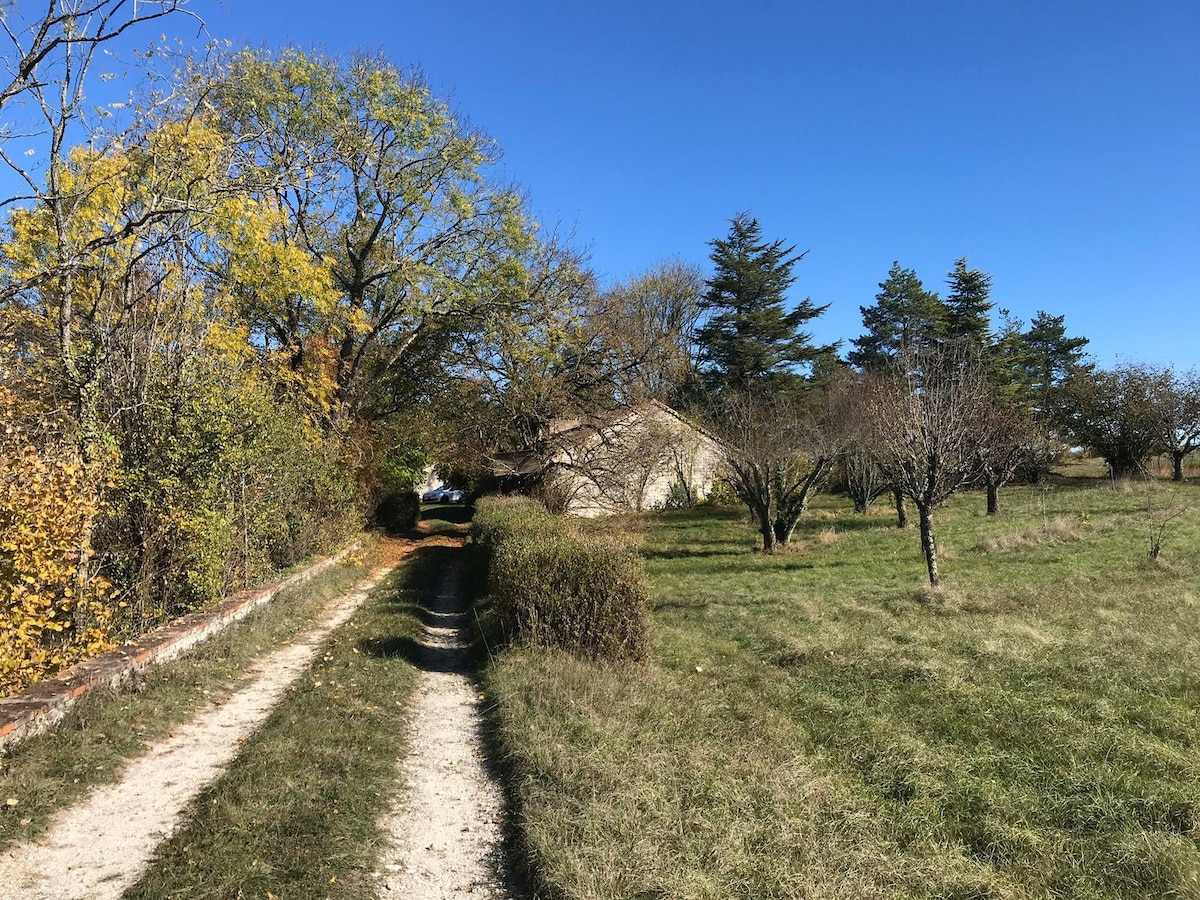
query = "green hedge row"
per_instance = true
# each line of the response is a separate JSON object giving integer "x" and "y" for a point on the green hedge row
{"x": 551, "y": 586}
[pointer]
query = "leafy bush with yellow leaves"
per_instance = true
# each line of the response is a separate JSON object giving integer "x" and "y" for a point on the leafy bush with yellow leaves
{"x": 54, "y": 610}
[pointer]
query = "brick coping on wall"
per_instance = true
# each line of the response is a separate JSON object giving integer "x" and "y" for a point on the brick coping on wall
{"x": 40, "y": 706}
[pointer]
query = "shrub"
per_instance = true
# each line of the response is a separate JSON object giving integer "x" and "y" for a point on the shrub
{"x": 216, "y": 485}
{"x": 398, "y": 511}
{"x": 54, "y": 609}
{"x": 390, "y": 487}
{"x": 552, "y": 587}
{"x": 680, "y": 496}
{"x": 721, "y": 494}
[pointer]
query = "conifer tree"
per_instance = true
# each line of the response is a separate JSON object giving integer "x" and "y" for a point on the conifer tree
{"x": 904, "y": 315}
{"x": 968, "y": 305}
{"x": 1052, "y": 358}
{"x": 751, "y": 340}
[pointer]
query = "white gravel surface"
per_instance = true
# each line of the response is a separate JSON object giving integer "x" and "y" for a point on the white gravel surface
{"x": 445, "y": 823}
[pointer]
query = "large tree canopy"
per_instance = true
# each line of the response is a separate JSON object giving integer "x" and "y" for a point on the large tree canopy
{"x": 379, "y": 179}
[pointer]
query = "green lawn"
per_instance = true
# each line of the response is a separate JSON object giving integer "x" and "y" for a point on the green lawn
{"x": 818, "y": 724}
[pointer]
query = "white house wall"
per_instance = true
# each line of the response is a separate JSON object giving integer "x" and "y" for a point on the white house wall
{"x": 633, "y": 464}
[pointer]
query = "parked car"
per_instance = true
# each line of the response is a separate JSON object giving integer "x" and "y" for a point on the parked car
{"x": 444, "y": 494}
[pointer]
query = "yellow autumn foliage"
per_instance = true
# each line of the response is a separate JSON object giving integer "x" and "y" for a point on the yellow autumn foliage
{"x": 220, "y": 320}
{"x": 53, "y": 610}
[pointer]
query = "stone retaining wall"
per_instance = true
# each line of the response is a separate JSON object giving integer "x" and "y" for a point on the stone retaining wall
{"x": 37, "y": 708}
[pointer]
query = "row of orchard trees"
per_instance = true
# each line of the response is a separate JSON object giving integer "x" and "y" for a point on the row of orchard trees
{"x": 221, "y": 303}
{"x": 921, "y": 411}
{"x": 929, "y": 400}
{"x": 934, "y": 396}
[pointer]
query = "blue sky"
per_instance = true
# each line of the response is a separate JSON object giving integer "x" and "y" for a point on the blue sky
{"x": 1056, "y": 143}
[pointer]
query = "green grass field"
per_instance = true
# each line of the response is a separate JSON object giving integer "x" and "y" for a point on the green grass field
{"x": 819, "y": 724}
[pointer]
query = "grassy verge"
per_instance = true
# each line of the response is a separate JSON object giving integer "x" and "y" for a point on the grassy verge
{"x": 296, "y": 814}
{"x": 106, "y": 728}
{"x": 816, "y": 724}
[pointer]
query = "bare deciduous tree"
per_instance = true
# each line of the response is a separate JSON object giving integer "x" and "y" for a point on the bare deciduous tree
{"x": 865, "y": 481}
{"x": 613, "y": 463}
{"x": 643, "y": 327}
{"x": 777, "y": 452}
{"x": 1163, "y": 509}
{"x": 64, "y": 35}
{"x": 1012, "y": 442}
{"x": 933, "y": 414}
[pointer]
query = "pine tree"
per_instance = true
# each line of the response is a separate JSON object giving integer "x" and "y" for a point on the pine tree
{"x": 751, "y": 340}
{"x": 1008, "y": 363}
{"x": 968, "y": 307}
{"x": 1051, "y": 358}
{"x": 904, "y": 314}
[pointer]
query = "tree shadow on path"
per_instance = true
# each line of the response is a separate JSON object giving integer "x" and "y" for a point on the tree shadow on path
{"x": 438, "y": 591}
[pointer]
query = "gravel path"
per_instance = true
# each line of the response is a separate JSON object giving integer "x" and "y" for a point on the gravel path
{"x": 445, "y": 824}
{"x": 97, "y": 849}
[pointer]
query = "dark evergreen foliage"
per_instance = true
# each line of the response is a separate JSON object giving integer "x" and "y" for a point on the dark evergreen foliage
{"x": 968, "y": 305}
{"x": 904, "y": 314}
{"x": 751, "y": 339}
{"x": 1051, "y": 358}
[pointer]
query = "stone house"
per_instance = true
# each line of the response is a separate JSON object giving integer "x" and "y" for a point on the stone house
{"x": 645, "y": 457}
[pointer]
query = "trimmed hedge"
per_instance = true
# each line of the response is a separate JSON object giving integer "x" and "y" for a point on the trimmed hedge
{"x": 551, "y": 586}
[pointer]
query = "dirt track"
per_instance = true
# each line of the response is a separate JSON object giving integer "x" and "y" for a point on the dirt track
{"x": 98, "y": 848}
{"x": 445, "y": 825}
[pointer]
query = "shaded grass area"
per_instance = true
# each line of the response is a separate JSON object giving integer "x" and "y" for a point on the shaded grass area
{"x": 444, "y": 518}
{"x": 296, "y": 813}
{"x": 818, "y": 724}
{"x": 108, "y": 727}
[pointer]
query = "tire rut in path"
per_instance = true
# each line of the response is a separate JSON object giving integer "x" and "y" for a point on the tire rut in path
{"x": 101, "y": 846}
{"x": 445, "y": 823}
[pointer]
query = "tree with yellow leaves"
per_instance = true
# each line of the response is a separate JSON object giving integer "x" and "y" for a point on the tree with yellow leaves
{"x": 381, "y": 180}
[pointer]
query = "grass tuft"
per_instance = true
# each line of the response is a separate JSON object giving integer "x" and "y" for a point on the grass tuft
{"x": 1059, "y": 530}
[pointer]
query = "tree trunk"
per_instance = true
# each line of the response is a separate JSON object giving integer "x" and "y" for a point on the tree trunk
{"x": 1177, "y": 463}
{"x": 929, "y": 545}
{"x": 766, "y": 525}
{"x": 901, "y": 511}
{"x": 860, "y": 506}
{"x": 784, "y": 526}
{"x": 1123, "y": 467}
{"x": 767, "y": 529}
{"x": 993, "y": 497}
